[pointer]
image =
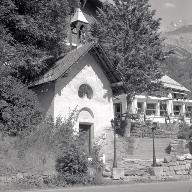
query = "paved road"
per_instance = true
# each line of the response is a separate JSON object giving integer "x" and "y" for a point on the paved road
{"x": 185, "y": 186}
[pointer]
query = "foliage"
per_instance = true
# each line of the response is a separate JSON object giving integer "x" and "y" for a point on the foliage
{"x": 55, "y": 181}
{"x": 144, "y": 129}
{"x": 74, "y": 4}
{"x": 129, "y": 33}
{"x": 72, "y": 155}
{"x": 75, "y": 167}
{"x": 168, "y": 149}
{"x": 72, "y": 163}
{"x": 32, "y": 34}
{"x": 185, "y": 131}
{"x": 30, "y": 181}
{"x": 59, "y": 143}
{"x": 19, "y": 109}
{"x": 71, "y": 159}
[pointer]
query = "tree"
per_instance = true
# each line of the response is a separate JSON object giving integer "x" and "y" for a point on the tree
{"x": 129, "y": 32}
{"x": 74, "y": 3}
{"x": 32, "y": 36}
{"x": 19, "y": 108}
{"x": 31, "y": 31}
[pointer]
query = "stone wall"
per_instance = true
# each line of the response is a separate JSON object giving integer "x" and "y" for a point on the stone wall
{"x": 173, "y": 169}
{"x": 133, "y": 148}
{"x": 138, "y": 170}
{"x": 25, "y": 179}
{"x": 141, "y": 148}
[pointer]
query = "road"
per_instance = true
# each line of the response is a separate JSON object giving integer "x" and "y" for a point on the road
{"x": 182, "y": 186}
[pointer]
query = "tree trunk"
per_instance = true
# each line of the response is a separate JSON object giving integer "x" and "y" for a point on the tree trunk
{"x": 127, "y": 117}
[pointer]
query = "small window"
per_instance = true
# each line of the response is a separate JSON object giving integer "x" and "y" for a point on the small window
{"x": 139, "y": 107}
{"x": 151, "y": 109}
{"x": 176, "y": 110}
{"x": 163, "y": 110}
{"x": 178, "y": 96}
{"x": 189, "y": 111}
{"x": 118, "y": 110}
{"x": 85, "y": 90}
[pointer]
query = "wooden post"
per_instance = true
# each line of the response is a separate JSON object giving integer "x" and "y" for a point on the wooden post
{"x": 153, "y": 135}
{"x": 115, "y": 146}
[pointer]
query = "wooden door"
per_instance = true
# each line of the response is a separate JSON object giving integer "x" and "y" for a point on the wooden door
{"x": 85, "y": 129}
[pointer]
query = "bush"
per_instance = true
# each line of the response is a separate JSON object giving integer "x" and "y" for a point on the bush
{"x": 19, "y": 108}
{"x": 185, "y": 131}
{"x": 168, "y": 149}
{"x": 95, "y": 165}
{"x": 73, "y": 165}
{"x": 56, "y": 180}
{"x": 54, "y": 149}
{"x": 30, "y": 182}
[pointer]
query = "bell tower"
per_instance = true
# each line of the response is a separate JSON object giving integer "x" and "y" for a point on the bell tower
{"x": 78, "y": 28}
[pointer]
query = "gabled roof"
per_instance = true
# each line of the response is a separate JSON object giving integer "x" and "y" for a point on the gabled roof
{"x": 170, "y": 83}
{"x": 166, "y": 81}
{"x": 103, "y": 1}
{"x": 79, "y": 16}
{"x": 109, "y": 1}
{"x": 72, "y": 58}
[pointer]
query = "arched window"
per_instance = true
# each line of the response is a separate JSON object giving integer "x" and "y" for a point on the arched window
{"x": 85, "y": 90}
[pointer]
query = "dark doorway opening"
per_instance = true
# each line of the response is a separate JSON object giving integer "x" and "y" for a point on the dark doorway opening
{"x": 85, "y": 129}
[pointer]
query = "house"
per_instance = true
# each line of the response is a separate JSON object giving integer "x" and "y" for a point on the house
{"x": 170, "y": 105}
{"x": 82, "y": 80}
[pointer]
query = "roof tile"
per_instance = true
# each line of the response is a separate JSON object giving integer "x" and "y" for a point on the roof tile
{"x": 62, "y": 65}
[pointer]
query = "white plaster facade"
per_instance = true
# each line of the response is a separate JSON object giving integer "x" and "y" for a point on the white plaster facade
{"x": 99, "y": 109}
{"x": 61, "y": 97}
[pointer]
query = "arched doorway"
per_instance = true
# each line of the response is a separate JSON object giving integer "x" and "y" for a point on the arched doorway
{"x": 86, "y": 127}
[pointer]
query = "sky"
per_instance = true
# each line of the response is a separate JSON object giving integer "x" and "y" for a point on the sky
{"x": 173, "y": 12}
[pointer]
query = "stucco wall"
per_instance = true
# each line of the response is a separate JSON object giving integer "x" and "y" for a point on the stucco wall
{"x": 86, "y": 71}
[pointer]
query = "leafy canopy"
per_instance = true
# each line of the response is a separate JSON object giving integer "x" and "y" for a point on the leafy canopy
{"x": 19, "y": 108}
{"x": 129, "y": 32}
{"x": 32, "y": 32}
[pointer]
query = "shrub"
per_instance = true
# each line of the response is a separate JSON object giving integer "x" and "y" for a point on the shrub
{"x": 95, "y": 165}
{"x": 30, "y": 182}
{"x": 168, "y": 149}
{"x": 19, "y": 108}
{"x": 96, "y": 162}
{"x": 55, "y": 148}
{"x": 185, "y": 131}
{"x": 73, "y": 165}
{"x": 75, "y": 168}
{"x": 56, "y": 180}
